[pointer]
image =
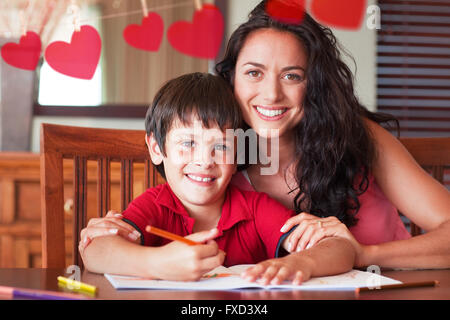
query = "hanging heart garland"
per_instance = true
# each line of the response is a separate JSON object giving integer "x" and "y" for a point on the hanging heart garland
{"x": 287, "y": 11}
{"x": 200, "y": 38}
{"x": 80, "y": 57}
{"x": 24, "y": 55}
{"x": 146, "y": 36}
{"x": 345, "y": 14}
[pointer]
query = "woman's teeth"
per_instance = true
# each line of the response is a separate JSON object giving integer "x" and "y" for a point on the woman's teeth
{"x": 200, "y": 178}
{"x": 270, "y": 113}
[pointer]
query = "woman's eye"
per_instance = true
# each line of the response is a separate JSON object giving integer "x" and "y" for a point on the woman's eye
{"x": 293, "y": 76}
{"x": 254, "y": 73}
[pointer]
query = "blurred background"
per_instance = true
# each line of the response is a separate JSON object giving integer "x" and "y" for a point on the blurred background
{"x": 401, "y": 64}
{"x": 126, "y": 78}
{"x": 400, "y": 56}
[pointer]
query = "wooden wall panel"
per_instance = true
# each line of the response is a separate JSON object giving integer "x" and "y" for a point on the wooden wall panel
{"x": 20, "y": 216}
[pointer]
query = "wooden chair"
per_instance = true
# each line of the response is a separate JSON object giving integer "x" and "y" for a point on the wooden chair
{"x": 433, "y": 154}
{"x": 82, "y": 144}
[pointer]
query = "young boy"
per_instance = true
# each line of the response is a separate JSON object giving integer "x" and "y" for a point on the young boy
{"x": 186, "y": 139}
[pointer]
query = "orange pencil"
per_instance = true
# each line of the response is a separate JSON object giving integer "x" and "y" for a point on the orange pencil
{"x": 169, "y": 235}
{"x": 401, "y": 286}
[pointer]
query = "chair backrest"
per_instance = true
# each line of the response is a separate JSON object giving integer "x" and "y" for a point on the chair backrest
{"x": 433, "y": 154}
{"x": 82, "y": 144}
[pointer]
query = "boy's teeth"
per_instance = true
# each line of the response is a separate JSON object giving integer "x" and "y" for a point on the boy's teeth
{"x": 270, "y": 113}
{"x": 199, "y": 178}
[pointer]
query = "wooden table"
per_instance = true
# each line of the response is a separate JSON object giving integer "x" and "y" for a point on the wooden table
{"x": 46, "y": 279}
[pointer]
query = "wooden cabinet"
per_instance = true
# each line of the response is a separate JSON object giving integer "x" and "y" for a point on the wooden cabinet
{"x": 20, "y": 207}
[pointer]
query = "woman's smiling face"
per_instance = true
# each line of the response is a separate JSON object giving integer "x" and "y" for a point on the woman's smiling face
{"x": 269, "y": 81}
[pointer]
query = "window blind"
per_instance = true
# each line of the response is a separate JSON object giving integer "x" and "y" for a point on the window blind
{"x": 413, "y": 66}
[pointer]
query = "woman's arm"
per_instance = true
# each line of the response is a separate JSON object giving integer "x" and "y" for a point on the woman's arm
{"x": 418, "y": 196}
{"x": 111, "y": 224}
{"x": 411, "y": 190}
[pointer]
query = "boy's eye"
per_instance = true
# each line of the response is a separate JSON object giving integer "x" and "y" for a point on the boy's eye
{"x": 220, "y": 147}
{"x": 188, "y": 144}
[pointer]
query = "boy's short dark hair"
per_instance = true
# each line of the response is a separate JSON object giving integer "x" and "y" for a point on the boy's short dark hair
{"x": 203, "y": 95}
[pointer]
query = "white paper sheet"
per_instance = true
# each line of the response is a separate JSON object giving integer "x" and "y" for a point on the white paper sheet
{"x": 346, "y": 281}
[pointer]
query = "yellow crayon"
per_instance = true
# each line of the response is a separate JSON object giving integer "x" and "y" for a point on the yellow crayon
{"x": 77, "y": 285}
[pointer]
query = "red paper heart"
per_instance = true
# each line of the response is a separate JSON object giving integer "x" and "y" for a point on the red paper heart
{"x": 148, "y": 35}
{"x": 347, "y": 14}
{"x": 287, "y": 11}
{"x": 201, "y": 38}
{"x": 24, "y": 55}
{"x": 80, "y": 57}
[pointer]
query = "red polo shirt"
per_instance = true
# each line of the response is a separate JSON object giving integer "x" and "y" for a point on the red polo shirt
{"x": 249, "y": 226}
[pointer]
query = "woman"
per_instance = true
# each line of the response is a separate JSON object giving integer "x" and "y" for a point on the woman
{"x": 338, "y": 168}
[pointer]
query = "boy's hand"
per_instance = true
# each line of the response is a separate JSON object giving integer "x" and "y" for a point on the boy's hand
{"x": 274, "y": 271}
{"x": 179, "y": 261}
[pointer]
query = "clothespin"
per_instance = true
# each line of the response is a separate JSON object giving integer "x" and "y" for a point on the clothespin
{"x": 116, "y": 4}
{"x": 144, "y": 8}
{"x": 198, "y": 4}
{"x": 23, "y": 23}
{"x": 74, "y": 10}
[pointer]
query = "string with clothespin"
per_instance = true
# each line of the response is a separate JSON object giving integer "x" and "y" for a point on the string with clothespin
{"x": 198, "y": 4}
{"x": 24, "y": 17}
{"x": 187, "y": 3}
{"x": 144, "y": 8}
{"x": 74, "y": 10}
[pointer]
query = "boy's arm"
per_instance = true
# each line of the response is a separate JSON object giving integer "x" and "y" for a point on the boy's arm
{"x": 113, "y": 254}
{"x": 328, "y": 257}
{"x": 174, "y": 261}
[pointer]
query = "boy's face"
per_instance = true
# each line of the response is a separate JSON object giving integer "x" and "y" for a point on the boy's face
{"x": 199, "y": 162}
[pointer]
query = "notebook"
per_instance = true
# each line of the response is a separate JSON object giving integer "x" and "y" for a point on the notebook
{"x": 223, "y": 278}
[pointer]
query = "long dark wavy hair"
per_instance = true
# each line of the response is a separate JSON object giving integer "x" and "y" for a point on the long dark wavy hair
{"x": 334, "y": 149}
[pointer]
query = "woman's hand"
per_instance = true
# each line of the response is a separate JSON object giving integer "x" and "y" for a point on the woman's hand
{"x": 312, "y": 229}
{"x": 275, "y": 271}
{"x": 111, "y": 224}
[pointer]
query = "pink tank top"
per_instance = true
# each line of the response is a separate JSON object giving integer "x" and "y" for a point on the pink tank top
{"x": 378, "y": 219}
